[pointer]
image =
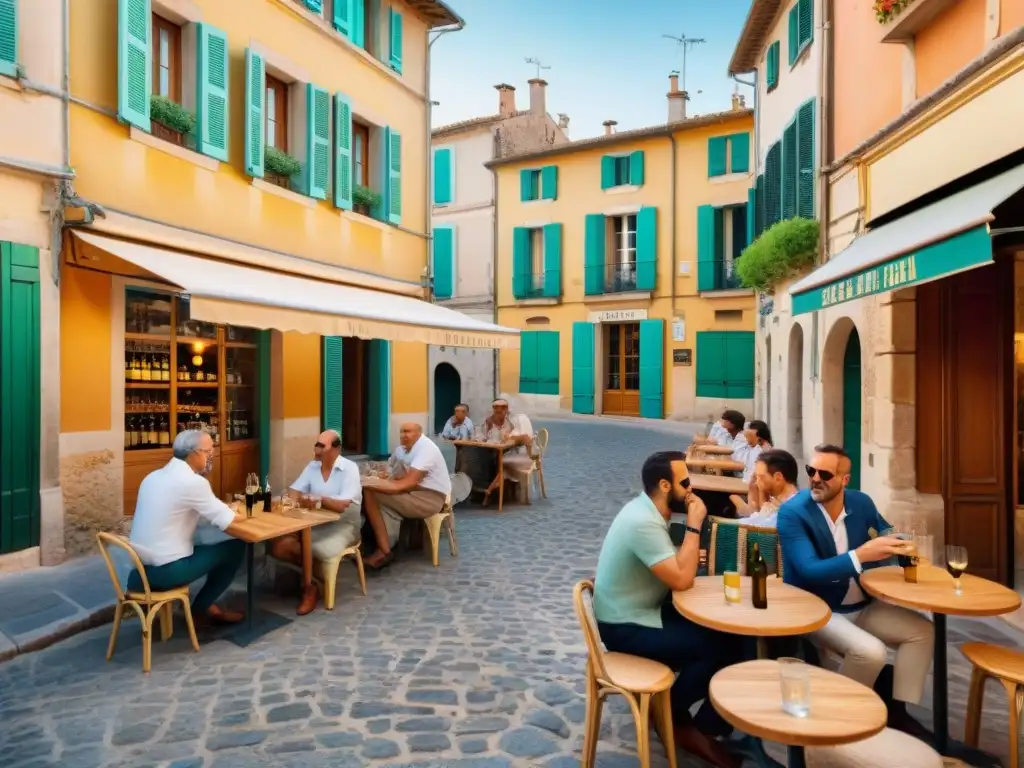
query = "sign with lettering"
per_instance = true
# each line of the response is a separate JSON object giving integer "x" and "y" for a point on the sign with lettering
{"x": 618, "y": 316}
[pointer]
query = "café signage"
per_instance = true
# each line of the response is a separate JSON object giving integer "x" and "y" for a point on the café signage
{"x": 618, "y": 316}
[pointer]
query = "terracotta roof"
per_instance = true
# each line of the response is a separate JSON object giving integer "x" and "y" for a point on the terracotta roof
{"x": 476, "y": 122}
{"x": 436, "y": 12}
{"x": 752, "y": 40}
{"x": 624, "y": 137}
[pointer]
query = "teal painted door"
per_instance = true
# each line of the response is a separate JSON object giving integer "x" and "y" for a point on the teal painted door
{"x": 652, "y": 369}
{"x": 851, "y": 406}
{"x": 378, "y": 397}
{"x": 447, "y": 394}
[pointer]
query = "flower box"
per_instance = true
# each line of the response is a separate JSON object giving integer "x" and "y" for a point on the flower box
{"x": 906, "y": 17}
{"x": 277, "y": 179}
{"x": 167, "y": 133}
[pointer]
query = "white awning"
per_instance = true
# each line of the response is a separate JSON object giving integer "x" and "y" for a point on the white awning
{"x": 231, "y": 294}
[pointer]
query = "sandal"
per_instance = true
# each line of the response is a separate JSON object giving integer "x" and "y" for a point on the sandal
{"x": 384, "y": 563}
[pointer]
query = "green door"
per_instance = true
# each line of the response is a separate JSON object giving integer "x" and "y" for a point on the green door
{"x": 447, "y": 394}
{"x": 851, "y": 406}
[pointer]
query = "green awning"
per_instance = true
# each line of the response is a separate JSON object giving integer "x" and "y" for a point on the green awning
{"x": 946, "y": 237}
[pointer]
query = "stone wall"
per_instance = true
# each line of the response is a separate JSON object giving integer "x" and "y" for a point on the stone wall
{"x": 92, "y": 485}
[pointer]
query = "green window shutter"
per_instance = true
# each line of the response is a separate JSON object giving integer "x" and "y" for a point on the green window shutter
{"x": 444, "y": 262}
{"x": 583, "y": 367}
{"x": 255, "y": 88}
{"x": 549, "y": 182}
{"x": 547, "y": 362}
{"x": 552, "y": 260}
{"x": 751, "y": 215}
{"x": 652, "y": 369}
{"x": 636, "y": 168}
{"x": 20, "y": 404}
{"x": 357, "y": 23}
{"x": 9, "y": 38}
{"x": 318, "y": 141}
{"x": 805, "y": 161}
{"x": 773, "y": 65}
{"x": 759, "y": 207}
{"x": 646, "y": 249}
{"x": 739, "y": 153}
{"x": 773, "y": 185}
{"x": 608, "y": 179}
{"x": 711, "y": 369}
{"x": 739, "y": 365}
{"x": 342, "y": 13}
{"x": 593, "y": 255}
{"x": 134, "y": 68}
{"x": 395, "y": 47}
{"x": 717, "y": 153}
{"x": 526, "y": 188}
{"x": 212, "y": 91}
{"x": 528, "y": 372}
{"x": 315, "y": 5}
{"x": 806, "y": 22}
{"x": 331, "y": 381}
{"x": 378, "y": 405}
{"x": 444, "y": 175}
{"x": 707, "y": 248}
{"x": 789, "y": 171}
{"x": 521, "y": 266}
{"x": 342, "y": 152}
{"x": 793, "y": 35}
{"x": 394, "y": 176}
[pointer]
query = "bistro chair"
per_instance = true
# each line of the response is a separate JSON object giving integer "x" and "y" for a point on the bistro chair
{"x": 644, "y": 683}
{"x": 326, "y": 572}
{"x": 1007, "y": 666}
{"x": 434, "y": 524}
{"x": 536, "y": 470}
{"x": 148, "y": 605}
{"x": 888, "y": 749}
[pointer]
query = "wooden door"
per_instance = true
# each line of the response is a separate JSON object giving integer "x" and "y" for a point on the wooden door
{"x": 353, "y": 408}
{"x": 622, "y": 369}
{"x": 852, "y": 393}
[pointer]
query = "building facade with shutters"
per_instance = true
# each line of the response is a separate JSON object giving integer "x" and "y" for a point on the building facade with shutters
{"x": 616, "y": 260}
{"x": 463, "y": 219}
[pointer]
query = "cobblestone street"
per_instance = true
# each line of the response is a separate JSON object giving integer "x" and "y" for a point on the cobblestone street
{"x": 476, "y": 663}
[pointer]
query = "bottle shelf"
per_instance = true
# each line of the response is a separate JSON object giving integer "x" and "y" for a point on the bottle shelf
{"x": 147, "y": 385}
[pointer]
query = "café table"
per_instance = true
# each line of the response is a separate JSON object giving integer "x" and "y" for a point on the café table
{"x": 719, "y": 484}
{"x": 713, "y": 450}
{"x": 500, "y": 448}
{"x": 725, "y": 465}
{"x": 749, "y": 696}
{"x": 934, "y": 592}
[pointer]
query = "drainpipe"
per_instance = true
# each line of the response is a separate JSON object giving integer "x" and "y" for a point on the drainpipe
{"x": 675, "y": 247}
{"x": 494, "y": 263}
{"x": 825, "y": 116}
{"x": 757, "y": 122}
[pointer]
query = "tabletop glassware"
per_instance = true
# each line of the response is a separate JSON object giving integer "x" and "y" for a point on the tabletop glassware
{"x": 956, "y": 564}
{"x": 252, "y": 486}
{"x": 795, "y": 679}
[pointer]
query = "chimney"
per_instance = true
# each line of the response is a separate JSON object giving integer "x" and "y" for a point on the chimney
{"x": 506, "y": 99}
{"x": 738, "y": 102}
{"x": 538, "y": 100}
{"x": 676, "y": 99}
{"x": 563, "y": 123}
{"x": 609, "y": 127}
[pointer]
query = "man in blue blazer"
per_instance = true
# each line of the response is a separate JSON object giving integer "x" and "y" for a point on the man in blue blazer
{"x": 829, "y": 535}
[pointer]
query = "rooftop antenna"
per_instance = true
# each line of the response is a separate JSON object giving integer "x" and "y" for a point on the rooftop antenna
{"x": 685, "y": 43}
{"x": 537, "y": 63}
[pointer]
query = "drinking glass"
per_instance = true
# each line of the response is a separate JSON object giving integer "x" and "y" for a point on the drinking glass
{"x": 795, "y": 678}
{"x": 956, "y": 564}
{"x": 925, "y": 544}
{"x": 252, "y": 486}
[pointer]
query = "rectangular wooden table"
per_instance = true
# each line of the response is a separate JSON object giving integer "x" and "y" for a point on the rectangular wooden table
{"x": 501, "y": 448}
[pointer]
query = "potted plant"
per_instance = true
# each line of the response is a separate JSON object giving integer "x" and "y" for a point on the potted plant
{"x": 364, "y": 199}
{"x": 887, "y": 10}
{"x": 170, "y": 121}
{"x": 783, "y": 250}
{"x": 279, "y": 167}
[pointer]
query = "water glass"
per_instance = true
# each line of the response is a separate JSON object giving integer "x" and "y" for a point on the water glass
{"x": 795, "y": 678}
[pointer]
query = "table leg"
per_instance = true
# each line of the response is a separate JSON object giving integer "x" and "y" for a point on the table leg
{"x": 501, "y": 480}
{"x": 252, "y": 630}
{"x": 795, "y": 757}
{"x": 250, "y": 570}
{"x": 307, "y": 557}
{"x": 940, "y": 686}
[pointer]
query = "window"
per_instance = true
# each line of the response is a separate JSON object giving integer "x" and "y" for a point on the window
{"x": 725, "y": 364}
{"x": 728, "y": 154}
{"x": 622, "y": 170}
{"x": 538, "y": 183}
{"x": 166, "y": 59}
{"x": 276, "y": 114}
{"x": 538, "y": 362}
{"x": 772, "y": 65}
{"x": 721, "y": 239}
{"x": 537, "y": 262}
{"x": 801, "y": 28}
{"x": 620, "y": 264}
{"x": 360, "y": 154}
{"x": 9, "y": 39}
{"x": 620, "y": 252}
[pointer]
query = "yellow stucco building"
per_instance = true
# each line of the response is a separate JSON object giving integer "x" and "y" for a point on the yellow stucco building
{"x": 616, "y": 259}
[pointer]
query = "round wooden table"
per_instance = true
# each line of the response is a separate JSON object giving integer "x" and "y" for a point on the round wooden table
{"x": 749, "y": 697}
{"x": 934, "y": 592}
{"x": 790, "y": 611}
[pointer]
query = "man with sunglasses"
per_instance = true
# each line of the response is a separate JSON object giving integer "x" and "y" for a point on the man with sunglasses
{"x": 829, "y": 535}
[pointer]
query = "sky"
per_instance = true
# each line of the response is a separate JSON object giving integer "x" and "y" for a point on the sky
{"x": 608, "y": 58}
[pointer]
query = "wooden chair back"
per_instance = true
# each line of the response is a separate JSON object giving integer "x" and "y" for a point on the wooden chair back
{"x": 109, "y": 539}
{"x": 583, "y": 599}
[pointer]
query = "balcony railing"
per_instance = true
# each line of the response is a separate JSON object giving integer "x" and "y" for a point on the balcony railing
{"x": 613, "y": 277}
{"x": 532, "y": 286}
{"x": 726, "y": 276}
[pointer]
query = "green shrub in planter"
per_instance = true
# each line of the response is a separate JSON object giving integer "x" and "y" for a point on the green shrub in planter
{"x": 280, "y": 163}
{"x": 171, "y": 115}
{"x": 780, "y": 252}
{"x": 365, "y": 196}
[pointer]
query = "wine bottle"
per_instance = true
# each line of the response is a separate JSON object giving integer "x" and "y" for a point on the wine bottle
{"x": 759, "y": 576}
{"x": 165, "y": 432}
{"x": 165, "y": 369}
{"x": 268, "y": 497}
{"x": 136, "y": 370}
{"x": 147, "y": 371}
{"x": 152, "y": 437}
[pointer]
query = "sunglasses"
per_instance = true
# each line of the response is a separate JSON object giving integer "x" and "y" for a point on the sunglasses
{"x": 824, "y": 474}
{"x": 686, "y": 482}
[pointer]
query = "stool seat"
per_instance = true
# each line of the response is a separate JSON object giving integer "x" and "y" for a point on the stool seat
{"x": 1004, "y": 663}
{"x": 1007, "y": 666}
{"x": 158, "y": 597}
{"x": 888, "y": 749}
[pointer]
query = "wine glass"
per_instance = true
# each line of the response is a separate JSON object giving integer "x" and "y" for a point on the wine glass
{"x": 956, "y": 564}
{"x": 252, "y": 486}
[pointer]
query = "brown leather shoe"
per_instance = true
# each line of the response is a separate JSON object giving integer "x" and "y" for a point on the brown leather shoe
{"x": 707, "y": 749}
{"x": 218, "y": 615}
{"x": 310, "y": 597}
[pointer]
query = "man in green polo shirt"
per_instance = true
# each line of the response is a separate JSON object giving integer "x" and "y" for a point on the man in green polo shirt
{"x": 637, "y": 570}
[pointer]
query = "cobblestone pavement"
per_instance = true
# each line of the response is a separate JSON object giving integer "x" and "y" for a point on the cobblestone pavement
{"x": 477, "y": 663}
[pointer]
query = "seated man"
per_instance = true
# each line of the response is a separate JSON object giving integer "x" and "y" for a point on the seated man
{"x": 499, "y": 425}
{"x": 416, "y": 489}
{"x": 636, "y": 572}
{"x": 775, "y": 475}
{"x": 459, "y": 426}
{"x": 518, "y": 460}
{"x": 171, "y": 500}
{"x": 328, "y": 482}
{"x": 829, "y": 535}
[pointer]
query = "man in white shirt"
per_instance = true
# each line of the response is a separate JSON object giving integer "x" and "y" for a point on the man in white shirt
{"x": 416, "y": 489}
{"x": 171, "y": 500}
{"x": 329, "y": 482}
{"x": 776, "y": 477}
{"x": 459, "y": 426}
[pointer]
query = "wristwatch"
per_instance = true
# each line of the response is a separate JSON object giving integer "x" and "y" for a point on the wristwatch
{"x": 691, "y": 529}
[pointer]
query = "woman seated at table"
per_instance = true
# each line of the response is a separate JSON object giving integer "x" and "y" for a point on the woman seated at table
{"x": 518, "y": 460}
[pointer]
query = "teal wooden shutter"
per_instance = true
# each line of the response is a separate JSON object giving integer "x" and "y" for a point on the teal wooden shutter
{"x": 134, "y": 68}
{"x": 9, "y": 38}
{"x": 707, "y": 248}
{"x": 794, "y": 34}
{"x": 759, "y": 207}
{"x": 773, "y": 65}
{"x": 652, "y": 369}
{"x": 357, "y": 21}
{"x": 521, "y": 262}
{"x": 789, "y": 171}
{"x": 342, "y": 151}
{"x": 528, "y": 362}
{"x": 636, "y": 168}
{"x": 710, "y": 364}
{"x": 806, "y": 22}
{"x": 342, "y": 17}
{"x": 751, "y": 214}
{"x": 331, "y": 381}
{"x": 646, "y": 249}
{"x": 263, "y": 399}
{"x": 547, "y": 362}
{"x": 608, "y": 179}
{"x": 549, "y": 182}
{"x": 805, "y": 161}
{"x": 739, "y": 365}
{"x": 315, "y": 5}
{"x": 444, "y": 175}
{"x": 552, "y": 260}
{"x": 19, "y": 406}
{"x": 526, "y": 189}
{"x": 212, "y": 92}
{"x": 718, "y": 147}
{"x": 395, "y": 49}
{"x": 378, "y": 405}
{"x": 593, "y": 255}
{"x": 773, "y": 185}
{"x": 255, "y": 90}
{"x": 394, "y": 176}
{"x": 318, "y": 141}
{"x": 739, "y": 153}
{"x": 583, "y": 367}
{"x": 444, "y": 262}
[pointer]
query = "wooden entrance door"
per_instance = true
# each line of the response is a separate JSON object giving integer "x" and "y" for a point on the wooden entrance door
{"x": 622, "y": 369}
{"x": 851, "y": 406}
{"x": 354, "y": 366}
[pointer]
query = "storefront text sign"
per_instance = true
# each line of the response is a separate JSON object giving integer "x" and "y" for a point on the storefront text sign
{"x": 618, "y": 316}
